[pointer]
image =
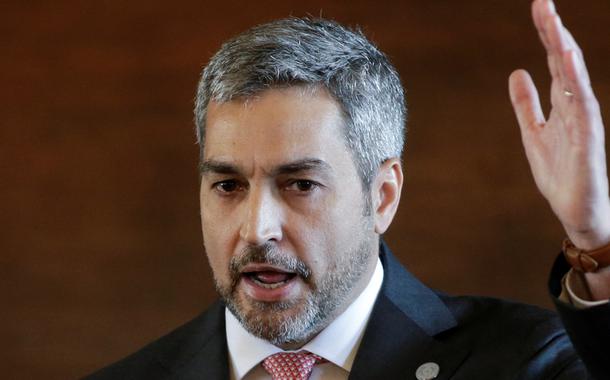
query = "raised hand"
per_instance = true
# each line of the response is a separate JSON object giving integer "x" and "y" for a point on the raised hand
{"x": 566, "y": 150}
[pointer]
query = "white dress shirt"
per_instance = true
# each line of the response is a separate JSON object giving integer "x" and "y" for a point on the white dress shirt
{"x": 575, "y": 290}
{"x": 337, "y": 343}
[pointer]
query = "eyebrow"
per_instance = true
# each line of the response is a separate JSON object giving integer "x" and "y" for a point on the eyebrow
{"x": 219, "y": 167}
{"x": 305, "y": 164}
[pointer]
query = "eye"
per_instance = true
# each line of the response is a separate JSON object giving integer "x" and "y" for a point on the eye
{"x": 227, "y": 186}
{"x": 303, "y": 185}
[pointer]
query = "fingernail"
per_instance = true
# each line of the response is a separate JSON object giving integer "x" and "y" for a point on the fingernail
{"x": 552, "y": 6}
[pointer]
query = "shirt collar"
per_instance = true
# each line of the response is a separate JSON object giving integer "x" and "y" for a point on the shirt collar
{"x": 337, "y": 343}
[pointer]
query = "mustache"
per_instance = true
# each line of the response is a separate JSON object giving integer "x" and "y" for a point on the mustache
{"x": 267, "y": 254}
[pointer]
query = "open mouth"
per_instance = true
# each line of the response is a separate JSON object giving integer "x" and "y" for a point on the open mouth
{"x": 265, "y": 282}
{"x": 269, "y": 279}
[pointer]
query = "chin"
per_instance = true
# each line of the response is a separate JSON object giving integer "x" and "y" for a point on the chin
{"x": 280, "y": 323}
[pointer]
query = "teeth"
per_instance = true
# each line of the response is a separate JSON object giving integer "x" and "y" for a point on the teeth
{"x": 266, "y": 285}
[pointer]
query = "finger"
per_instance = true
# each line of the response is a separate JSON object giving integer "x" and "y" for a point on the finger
{"x": 556, "y": 45}
{"x": 561, "y": 40}
{"x": 525, "y": 101}
{"x": 554, "y": 62}
{"x": 539, "y": 16}
{"x": 544, "y": 15}
{"x": 577, "y": 81}
{"x": 567, "y": 66}
{"x": 573, "y": 98}
{"x": 542, "y": 10}
{"x": 571, "y": 42}
{"x": 574, "y": 46}
{"x": 581, "y": 113}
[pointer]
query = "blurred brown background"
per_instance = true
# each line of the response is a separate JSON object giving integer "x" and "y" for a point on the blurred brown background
{"x": 100, "y": 241}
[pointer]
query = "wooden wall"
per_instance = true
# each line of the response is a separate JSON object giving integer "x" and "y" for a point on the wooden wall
{"x": 100, "y": 241}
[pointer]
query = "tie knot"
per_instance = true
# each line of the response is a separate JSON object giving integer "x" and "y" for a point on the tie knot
{"x": 291, "y": 365}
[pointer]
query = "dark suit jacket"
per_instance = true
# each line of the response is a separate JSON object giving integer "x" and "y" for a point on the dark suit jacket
{"x": 468, "y": 337}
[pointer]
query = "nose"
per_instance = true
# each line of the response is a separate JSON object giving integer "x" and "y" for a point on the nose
{"x": 262, "y": 220}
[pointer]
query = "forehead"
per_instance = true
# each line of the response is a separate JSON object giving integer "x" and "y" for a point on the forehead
{"x": 276, "y": 126}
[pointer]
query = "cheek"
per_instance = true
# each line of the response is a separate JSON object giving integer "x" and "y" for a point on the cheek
{"x": 317, "y": 238}
{"x": 346, "y": 227}
{"x": 217, "y": 243}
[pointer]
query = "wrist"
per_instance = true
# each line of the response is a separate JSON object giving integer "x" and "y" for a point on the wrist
{"x": 589, "y": 241}
{"x": 594, "y": 236}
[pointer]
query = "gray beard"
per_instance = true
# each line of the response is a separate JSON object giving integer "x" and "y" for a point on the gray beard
{"x": 295, "y": 321}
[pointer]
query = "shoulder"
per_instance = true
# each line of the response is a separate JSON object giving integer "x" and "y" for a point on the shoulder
{"x": 159, "y": 358}
{"x": 530, "y": 339}
{"x": 495, "y": 313}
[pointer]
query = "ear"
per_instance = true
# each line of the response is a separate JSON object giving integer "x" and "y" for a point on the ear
{"x": 385, "y": 191}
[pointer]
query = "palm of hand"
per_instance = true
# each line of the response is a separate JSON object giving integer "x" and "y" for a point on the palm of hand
{"x": 566, "y": 152}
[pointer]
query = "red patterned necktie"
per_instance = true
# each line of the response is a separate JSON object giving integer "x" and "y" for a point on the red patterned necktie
{"x": 291, "y": 365}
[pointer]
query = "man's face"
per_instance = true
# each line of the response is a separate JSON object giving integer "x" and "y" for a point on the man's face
{"x": 283, "y": 213}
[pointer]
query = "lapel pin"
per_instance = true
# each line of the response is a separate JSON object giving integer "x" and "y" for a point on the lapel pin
{"x": 427, "y": 371}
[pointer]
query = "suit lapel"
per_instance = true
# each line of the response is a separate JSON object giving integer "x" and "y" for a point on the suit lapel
{"x": 200, "y": 350}
{"x": 406, "y": 329}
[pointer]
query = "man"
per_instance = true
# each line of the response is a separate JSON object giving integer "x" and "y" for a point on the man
{"x": 301, "y": 124}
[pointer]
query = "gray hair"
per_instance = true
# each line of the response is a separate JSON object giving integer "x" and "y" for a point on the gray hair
{"x": 314, "y": 52}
